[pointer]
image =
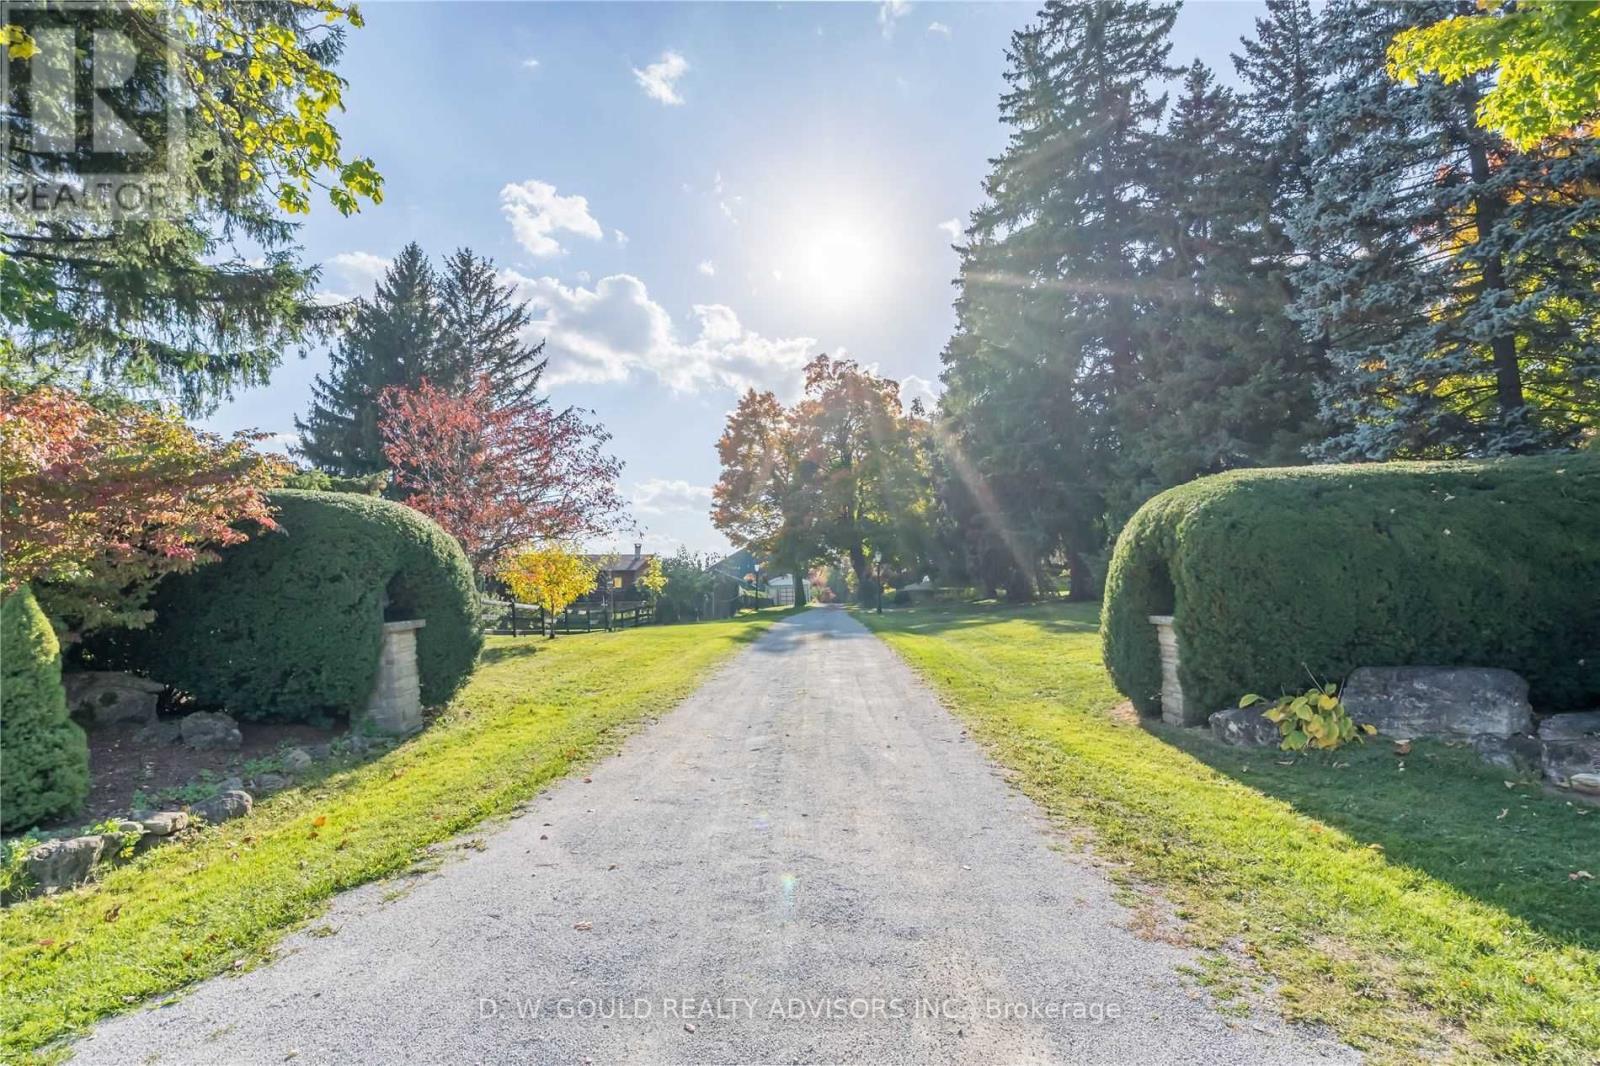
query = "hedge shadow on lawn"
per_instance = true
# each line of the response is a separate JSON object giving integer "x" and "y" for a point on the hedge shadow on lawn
{"x": 934, "y": 619}
{"x": 1441, "y": 815}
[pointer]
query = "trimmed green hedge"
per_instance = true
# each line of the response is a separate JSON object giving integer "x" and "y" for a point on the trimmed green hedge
{"x": 1270, "y": 573}
{"x": 288, "y": 625}
{"x": 44, "y": 757}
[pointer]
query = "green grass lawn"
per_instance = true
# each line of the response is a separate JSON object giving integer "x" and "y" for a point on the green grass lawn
{"x": 1421, "y": 906}
{"x": 533, "y": 711}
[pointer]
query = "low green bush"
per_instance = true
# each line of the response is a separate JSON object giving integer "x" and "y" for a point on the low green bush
{"x": 44, "y": 757}
{"x": 1273, "y": 576}
{"x": 289, "y": 624}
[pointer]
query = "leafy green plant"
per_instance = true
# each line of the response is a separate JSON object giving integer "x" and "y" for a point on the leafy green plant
{"x": 14, "y": 879}
{"x": 111, "y": 829}
{"x": 1315, "y": 718}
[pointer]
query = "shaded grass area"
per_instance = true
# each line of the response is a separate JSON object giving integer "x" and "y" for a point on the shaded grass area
{"x": 533, "y": 711}
{"x": 1420, "y": 906}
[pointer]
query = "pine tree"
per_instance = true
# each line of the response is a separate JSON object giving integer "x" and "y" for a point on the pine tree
{"x": 1047, "y": 345}
{"x": 1456, "y": 276}
{"x": 482, "y": 329}
{"x": 395, "y": 339}
{"x": 1282, "y": 80}
{"x": 1224, "y": 382}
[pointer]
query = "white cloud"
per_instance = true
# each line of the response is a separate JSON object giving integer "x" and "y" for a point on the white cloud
{"x": 952, "y": 229}
{"x": 530, "y": 64}
{"x": 708, "y": 268}
{"x": 913, "y": 387}
{"x": 890, "y": 12}
{"x": 661, "y": 495}
{"x": 615, "y": 332}
{"x": 536, "y": 212}
{"x": 659, "y": 80}
{"x": 725, "y": 202}
{"x": 940, "y": 28}
{"x": 351, "y": 274}
{"x": 620, "y": 237}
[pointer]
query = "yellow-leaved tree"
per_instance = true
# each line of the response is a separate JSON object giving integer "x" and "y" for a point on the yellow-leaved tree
{"x": 550, "y": 577}
{"x": 654, "y": 578}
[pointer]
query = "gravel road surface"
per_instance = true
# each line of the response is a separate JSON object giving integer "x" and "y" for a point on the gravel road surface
{"x": 805, "y": 861}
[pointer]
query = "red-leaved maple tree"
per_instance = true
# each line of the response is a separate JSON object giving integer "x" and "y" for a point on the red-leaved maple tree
{"x": 498, "y": 475}
{"x": 98, "y": 502}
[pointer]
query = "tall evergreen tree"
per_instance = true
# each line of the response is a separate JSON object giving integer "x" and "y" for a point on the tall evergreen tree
{"x": 1456, "y": 278}
{"x": 201, "y": 297}
{"x": 1282, "y": 81}
{"x": 394, "y": 339}
{"x": 1046, "y": 350}
{"x": 482, "y": 328}
{"x": 451, "y": 327}
{"x": 1225, "y": 380}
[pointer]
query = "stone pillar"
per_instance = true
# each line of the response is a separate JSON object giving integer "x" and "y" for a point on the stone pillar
{"x": 1173, "y": 709}
{"x": 395, "y": 708}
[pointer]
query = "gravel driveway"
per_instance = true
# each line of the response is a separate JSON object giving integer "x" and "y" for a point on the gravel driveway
{"x": 806, "y": 861}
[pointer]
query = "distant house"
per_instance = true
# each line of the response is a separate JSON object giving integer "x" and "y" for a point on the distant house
{"x": 618, "y": 575}
{"x": 739, "y": 565}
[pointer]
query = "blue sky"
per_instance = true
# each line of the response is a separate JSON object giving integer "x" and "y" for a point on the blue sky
{"x": 695, "y": 197}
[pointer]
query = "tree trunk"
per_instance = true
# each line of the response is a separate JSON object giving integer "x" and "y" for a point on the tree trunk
{"x": 799, "y": 589}
{"x": 1082, "y": 584}
{"x": 1487, "y": 208}
{"x": 858, "y": 563}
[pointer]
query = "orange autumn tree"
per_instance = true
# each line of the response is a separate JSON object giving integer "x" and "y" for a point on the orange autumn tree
{"x": 100, "y": 500}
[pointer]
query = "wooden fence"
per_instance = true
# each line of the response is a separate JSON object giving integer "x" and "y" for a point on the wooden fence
{"x": 514, "y": 619}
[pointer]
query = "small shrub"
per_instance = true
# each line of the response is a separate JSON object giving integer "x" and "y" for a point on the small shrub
{"x": 1315, "y": 718}
{"x": 289, "y": 625}
{"x": 44, "y": 757}
{"x": 1269, "y": 573}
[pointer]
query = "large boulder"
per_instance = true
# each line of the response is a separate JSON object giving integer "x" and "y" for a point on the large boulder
{"x": 58, "y": 864}
{"x": 1567, "y": 726}
{"x": 1245, "y": 727}
{"x": 106, "y": 697}
{"x": 1406, "y": 702}
{"x": 1564, "y": 760}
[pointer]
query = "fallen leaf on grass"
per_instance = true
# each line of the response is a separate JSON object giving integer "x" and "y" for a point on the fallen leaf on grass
{"x": 114, "y": 913}
{"x": 1402, "y": 747}
{"x": 1580, "y": 875}
{"x": 320, "y": 820}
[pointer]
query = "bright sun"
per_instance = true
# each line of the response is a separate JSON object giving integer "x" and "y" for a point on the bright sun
{"x": 838, "y": 264}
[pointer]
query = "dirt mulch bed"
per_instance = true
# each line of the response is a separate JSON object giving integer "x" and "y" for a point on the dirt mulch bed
{"x": 119, "y": 767}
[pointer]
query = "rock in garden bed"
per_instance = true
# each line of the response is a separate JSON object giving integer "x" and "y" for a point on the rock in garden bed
{"x": 225, "y": 806}
{"x": 208, "y": 731}
{"x": 105, "y": 697}
{"x": 59, "y": 864}
{"x": 1245, "y": 727}
{"x": 1407, "y": 702}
